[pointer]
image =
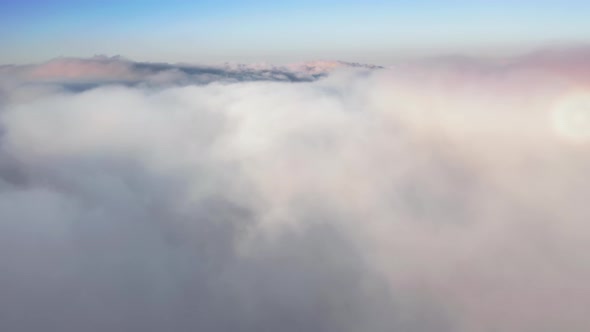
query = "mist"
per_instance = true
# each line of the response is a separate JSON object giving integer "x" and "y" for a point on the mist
{"x": 437, "y": 195}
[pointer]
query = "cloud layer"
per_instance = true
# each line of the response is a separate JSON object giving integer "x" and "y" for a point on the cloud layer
{"x": 441, "y": 195}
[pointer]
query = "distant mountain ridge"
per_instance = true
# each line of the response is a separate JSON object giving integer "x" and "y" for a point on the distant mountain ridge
{"x": 119, "y": 68}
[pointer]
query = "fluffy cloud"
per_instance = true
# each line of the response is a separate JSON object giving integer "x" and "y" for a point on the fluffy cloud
{"x": 429, "y": 196}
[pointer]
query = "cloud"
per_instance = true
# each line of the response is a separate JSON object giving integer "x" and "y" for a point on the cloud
{"x": 441, "y": 195}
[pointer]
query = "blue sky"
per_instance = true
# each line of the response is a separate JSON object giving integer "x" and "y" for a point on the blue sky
{"x": 283, "y": 31}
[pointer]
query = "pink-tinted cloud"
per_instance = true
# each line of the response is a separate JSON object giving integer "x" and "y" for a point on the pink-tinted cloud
{"x": 97, "y": 68}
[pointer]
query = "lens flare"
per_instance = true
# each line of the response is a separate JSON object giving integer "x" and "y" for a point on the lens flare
{"x": 572, "y": 117}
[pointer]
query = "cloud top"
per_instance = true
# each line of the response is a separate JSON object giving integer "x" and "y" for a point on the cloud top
{"x": 439, "y": 195}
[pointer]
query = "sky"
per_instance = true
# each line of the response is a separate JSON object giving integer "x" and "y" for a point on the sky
{"x": 446, "y": 194}
{"x": 370, "y": 31}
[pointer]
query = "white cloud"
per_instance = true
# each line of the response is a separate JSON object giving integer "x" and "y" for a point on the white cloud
{"x": 424, "y": 197}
